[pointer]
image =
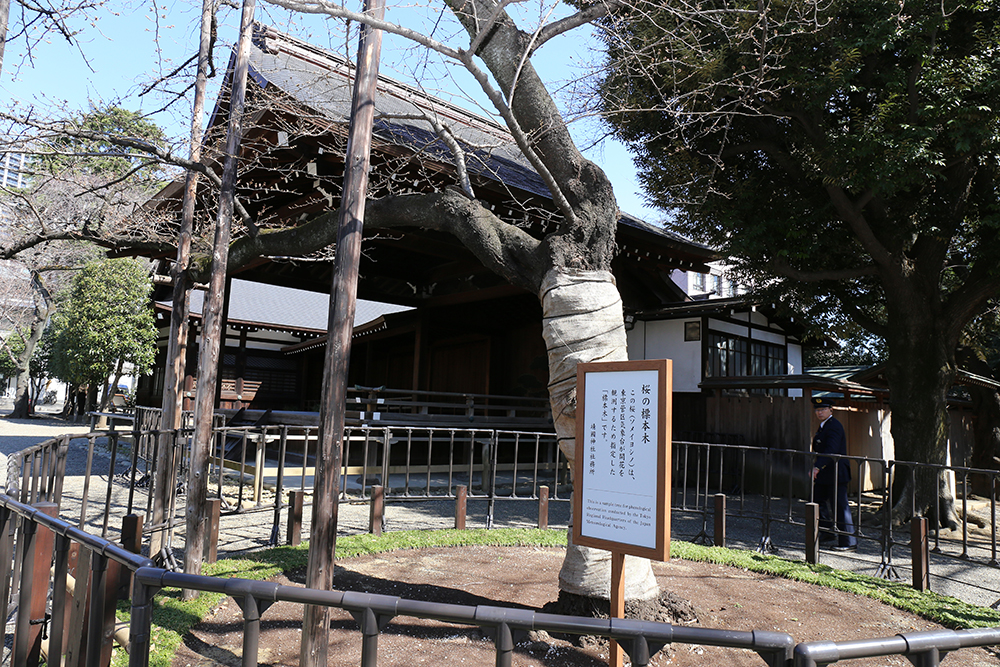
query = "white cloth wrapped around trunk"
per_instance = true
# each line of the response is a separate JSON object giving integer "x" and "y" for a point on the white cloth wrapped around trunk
{"x": 583, "y": 321}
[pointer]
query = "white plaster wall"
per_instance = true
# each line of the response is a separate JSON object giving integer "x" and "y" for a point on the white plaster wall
{"x": 727, "y": 327}
{"x": 768, "y": 336}
{"x": 665, "y": 340}
{"x": 794, "y": 364}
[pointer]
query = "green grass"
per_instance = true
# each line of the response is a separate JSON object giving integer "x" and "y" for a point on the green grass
{"x": 173, "y": 617}
{"x": 947, "y": 611}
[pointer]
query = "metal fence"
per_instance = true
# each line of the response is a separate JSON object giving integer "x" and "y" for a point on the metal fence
{"x": 38, "y": 546}
{"x": 766, "y": 486}
{"x": 772, "y": 487}
{"x": 252, "y": 470}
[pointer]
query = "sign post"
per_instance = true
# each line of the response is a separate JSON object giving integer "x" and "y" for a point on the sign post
{"x": 621, "y": 499}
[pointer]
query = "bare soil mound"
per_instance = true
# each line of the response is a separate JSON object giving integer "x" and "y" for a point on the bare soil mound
{"x": 722, "y": 597}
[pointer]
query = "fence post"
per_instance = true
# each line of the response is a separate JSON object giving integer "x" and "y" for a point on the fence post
{"x": 720, "y": 520}
{"x": 461, "y": 503}
{"x": 76, "y": 629}
{"x": 131, "y": 541}
{"x": 295, "y": 498}
{"x": 212, "y": 530}
{"x": 920, "y": 553}
{"x": 812, "y": 533}
{"x": 101, "y": 621}
{"x": 543, "y": 507}
{"x": 377, "y": 510}
{"x": 8, "y": 527}
{"x": 140, "y": 627}
{"x": 57, "y": 625}
{"x": 34, "y": 590}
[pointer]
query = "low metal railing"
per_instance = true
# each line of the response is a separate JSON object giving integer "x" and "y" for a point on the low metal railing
{"x": 252, "y": 469}
{"x": 640, "y": 639}
{"x": 23, "y": 529}
{"x": 773, "y": 487}
{"x": 769, "y": 487}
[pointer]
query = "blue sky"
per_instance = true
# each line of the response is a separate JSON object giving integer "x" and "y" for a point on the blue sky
{"x": 119, "y": 52}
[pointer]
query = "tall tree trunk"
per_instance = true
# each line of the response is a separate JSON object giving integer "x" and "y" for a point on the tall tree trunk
{"x": 43, "y": 309}
{"x": 582, "y": 321}
{"x": 920, "y": 371}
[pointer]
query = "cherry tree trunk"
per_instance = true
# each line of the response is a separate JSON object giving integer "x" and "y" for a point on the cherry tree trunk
{"x": 582, "y": 321}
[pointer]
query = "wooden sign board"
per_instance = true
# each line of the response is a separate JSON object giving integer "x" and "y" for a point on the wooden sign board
{"x": 621, "y": 481}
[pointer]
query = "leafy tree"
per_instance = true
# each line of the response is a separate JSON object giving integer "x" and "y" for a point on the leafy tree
{"x": 91, "y": 151}
{"x": 105, "y": 324}
{"x": 849, "y": 148}
{"x": 80, "y": 181}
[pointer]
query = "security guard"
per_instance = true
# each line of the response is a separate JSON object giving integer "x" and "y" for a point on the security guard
{"x": 830, "y": 478}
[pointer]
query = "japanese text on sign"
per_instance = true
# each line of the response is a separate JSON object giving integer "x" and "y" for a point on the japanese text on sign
{"x": 620, "y": 490}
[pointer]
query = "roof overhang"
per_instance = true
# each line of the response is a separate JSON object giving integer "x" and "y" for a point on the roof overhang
{"x": 808, "y": 383}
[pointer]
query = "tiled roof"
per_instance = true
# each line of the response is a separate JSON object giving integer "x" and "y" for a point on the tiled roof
{"x": 319, "y": 79}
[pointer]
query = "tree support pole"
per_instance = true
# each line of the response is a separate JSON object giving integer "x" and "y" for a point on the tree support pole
{"x": 173, "y": 386}
{"x": 208, "y": 359}
{"x": 343, "y": 293}
{"x": 615, "y": 653}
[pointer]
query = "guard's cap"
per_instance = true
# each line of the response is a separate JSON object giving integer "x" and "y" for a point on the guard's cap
{"x": 821, "y": 402}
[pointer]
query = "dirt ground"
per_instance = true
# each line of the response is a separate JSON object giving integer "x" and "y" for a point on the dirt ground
{"x": 526, "y": 578}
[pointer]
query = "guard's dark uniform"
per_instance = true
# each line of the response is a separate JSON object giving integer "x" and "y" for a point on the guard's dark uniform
{"x": 830, "y": 485}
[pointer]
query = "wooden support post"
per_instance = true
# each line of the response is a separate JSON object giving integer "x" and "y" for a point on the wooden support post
{"x": 132, "y": 541}
{"x": 720, "y": 520}
{"x": 295, "y": 517}
{"x": 920, "y": 553}
{"x": 76, "y": 629}
{"x": 812, "y": 533}
{"x": 461, "y": 506}
{"x": 615, "y": 653}
{"x": 108, "y": 619}
{"x": 34, "y": 591}
{"x": 212, "y": 533}
{"x": 343, "y": 302}
{"x": 543, "y": 507}
{"x": 213, "y": 329}
{"x": 132, "y": 532}
{"x": 377, "y": 510}
{"x": 8, "y": 529}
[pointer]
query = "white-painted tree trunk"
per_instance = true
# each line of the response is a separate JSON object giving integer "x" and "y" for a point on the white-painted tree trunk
{"x": 582, "y": 321}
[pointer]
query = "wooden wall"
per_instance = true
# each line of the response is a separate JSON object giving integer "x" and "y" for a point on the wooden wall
{"x": 788, "y": 423}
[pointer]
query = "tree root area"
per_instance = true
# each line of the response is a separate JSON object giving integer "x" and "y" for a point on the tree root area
{"x": 527, "y": 578}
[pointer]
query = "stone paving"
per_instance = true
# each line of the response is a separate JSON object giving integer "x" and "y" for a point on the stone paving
{"x": 970, "y": 580}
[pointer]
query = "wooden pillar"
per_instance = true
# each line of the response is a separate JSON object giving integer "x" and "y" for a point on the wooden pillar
{"x": 132, "y": 541}
{"x": 212, "y": 536}
{"x": 543, "y": 507}
{"x": 461, "y": 506}
{"x": 720, "y": 520}
{"x": 343, "y": 293}
{"x": 377, "y": 510}
{"x": 920, "y": 553}
{"x": 812, "y": 533}
{"x": 181, "y": 343}
{"x": 213, "y": 324}
{"x": 34, "y": 590}
{"x": 295, "y": 516}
